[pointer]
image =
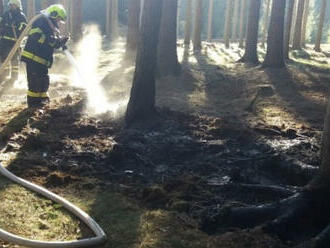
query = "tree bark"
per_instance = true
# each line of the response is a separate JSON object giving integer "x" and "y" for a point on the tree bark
{"x": 76, "y": 18}
{"x": 228, "y": 23}
{"x": 235, "y": 20}
{"x": 1, "y": 7}
{"x": 141, "y": 12}
{"x": 65, "y": 27}
{"x": 198, "y": 25}
{"x": 296, "y": 43}
{"x": 304, "y": 25}
{"x": 266, "y": 23}
{"x": 210, "y": 20}
{"x": 325, "y": 153}
{"x": 108, "y": 18}
{"x": 31, "y": 9}
{"x": 187, "y": 36}
{"x": 167, "y": 59}
{"x": 288, "y": 27}
{"x": 242, "y": 25}
{"x": 114, "y": 20}
{"x": 142, "y": 100}
{"x": 320, "y": 27}
{"x": 133, "y": 27}
{"x": 45, "y": 4}
{"x": 274, "y": 56}
{"x": 250, "y": 55}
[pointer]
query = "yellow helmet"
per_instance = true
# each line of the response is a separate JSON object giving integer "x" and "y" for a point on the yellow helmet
{"x": 15, "y": 2}
{"x": 55, "y": 11}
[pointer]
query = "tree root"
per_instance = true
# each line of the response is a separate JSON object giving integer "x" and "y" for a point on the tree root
{"x": 298, "y": 218}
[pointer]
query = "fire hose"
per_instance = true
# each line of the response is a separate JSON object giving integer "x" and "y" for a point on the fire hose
{"x": 100, "y": 237}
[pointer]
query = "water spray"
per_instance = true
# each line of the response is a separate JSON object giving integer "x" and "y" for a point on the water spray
{"x": 100, "y": 237}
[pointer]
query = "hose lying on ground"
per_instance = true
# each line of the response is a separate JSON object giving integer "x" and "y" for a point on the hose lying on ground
{"x": 11, "y": 238}
{"x": 90, "y": 242}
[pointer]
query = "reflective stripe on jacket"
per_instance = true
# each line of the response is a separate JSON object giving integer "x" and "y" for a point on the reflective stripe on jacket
{"x": 41, "y": 43}
{"x": 12, "y": 24}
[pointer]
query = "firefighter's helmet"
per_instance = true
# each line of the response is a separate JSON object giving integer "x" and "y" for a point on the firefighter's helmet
{"x": 56, "y": 11}
{"x": 15, "y": 2}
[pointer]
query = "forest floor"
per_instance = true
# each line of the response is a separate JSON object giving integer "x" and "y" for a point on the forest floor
{"x": 226, "y": 134}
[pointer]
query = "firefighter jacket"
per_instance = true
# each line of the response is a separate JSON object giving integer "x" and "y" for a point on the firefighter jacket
{"x": 12, "y": 24}
{"x": 41, "y": 42}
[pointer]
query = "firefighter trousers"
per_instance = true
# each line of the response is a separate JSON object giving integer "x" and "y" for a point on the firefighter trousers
{"x": 38, "y": 84}
{"x": 12, "y": 69}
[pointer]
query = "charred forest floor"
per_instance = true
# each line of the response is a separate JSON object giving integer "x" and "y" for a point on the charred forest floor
{"x": 226, "y": 134}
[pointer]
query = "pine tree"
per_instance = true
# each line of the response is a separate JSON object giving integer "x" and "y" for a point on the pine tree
{"x": 1, "y": 7}
{"x": 274, "y": 56}
{"x": 228, "y": 23}
{"x": 250, "y": 55}
{"x": 133, "y": 27}
{"x": 141, "y": 104}
{"x": 167, "y": 59}
{"x": 210, "y": 20}
{"x": 235, "y": 20}
{"x": 266, "y": 23}
{"x": 288, "y": 28}
{"x": 31, "y": 9}
{"x": 304, "y": 25}
{"x": 242, "y": 25}
{"x": 114, "y": 20}
{"x": 188, "y": 23}
{"x": 197, "y": 41}
{"x": 320, "y": 27}
{"x": 45, "y": 4}
{"x": 296, "y": 43}
{"x": 76, "y": 17}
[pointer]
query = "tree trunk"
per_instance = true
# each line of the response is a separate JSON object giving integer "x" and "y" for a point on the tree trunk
{"x": 187, "y": 36}
{"x": 114, "y": 20}
{"x": 167, "y": 59}
{"x": 65, "y": 27}
{"x": 296, "y": 43}
{"x": 76, "y": 17}
{"x": 141, "y": 11}
{"x": 235, "y": 20}
{"x": 266, "y": 23}
{"x": 274, "y": 56}
{"x": 1, "y": 7}
{"x": 304, "y": 25}
{"x": 210, "y": 20}
{"x": 142, "y": 101}
{"x": 133, "y": 27}
{"x": 108, "y": 18}
{"x": 178, "y": 14}
{"x": 250, "y": 55}
{"x": 320, "y": 27}
{"x": 228, "y": 23}
{"x": 198, "y": 25}
{"x": 31, "y": 9}
{"x": 287, "y": 29}
{"x": 242, "y": 25}
{"x": 45, "y": 4}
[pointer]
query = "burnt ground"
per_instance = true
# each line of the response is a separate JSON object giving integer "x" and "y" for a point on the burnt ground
{"x": 226, "y": 134}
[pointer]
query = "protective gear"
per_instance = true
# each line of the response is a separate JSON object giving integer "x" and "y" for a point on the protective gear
{"x": 41, "y": 43}
{"x": 63, "y": 41}
{"x": 16, "y": 2}
{"x": 38, "y": 56}
{"x": 38, "y": 84}
{"x": 12, "y": 24}
{"x": 56, "y": 11}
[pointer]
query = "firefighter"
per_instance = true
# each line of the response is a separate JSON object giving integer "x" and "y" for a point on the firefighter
{"x": 42, "y": 40}
{"x": 12, "y": 24}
